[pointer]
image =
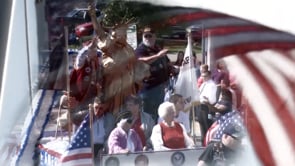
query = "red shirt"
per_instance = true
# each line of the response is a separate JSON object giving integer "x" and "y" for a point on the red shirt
{"x": 173, "y": 136}
{"x": 139, "y": 131}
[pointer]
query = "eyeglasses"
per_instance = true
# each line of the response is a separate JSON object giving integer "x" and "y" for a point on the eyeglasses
{"x": 148, "y": 36}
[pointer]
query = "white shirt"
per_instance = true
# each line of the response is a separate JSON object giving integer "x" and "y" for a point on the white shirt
{"x": 183, "y": 118}
{"x": 208, "y": 89}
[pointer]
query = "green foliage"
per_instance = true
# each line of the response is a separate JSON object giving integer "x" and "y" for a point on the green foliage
{"x": 120, "y": 12}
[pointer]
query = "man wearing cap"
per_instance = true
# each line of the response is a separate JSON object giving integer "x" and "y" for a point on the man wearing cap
{"x": 227, "y": 151}
{"x": 153, "y": 90}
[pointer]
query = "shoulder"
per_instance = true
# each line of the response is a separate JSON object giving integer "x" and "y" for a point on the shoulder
{"x": 179, "y": 124}
{"x": 146, "y": 116}
{"x": 133, "y": 133}
{"x": 117, "y": 131}
{"x": 109, "y": 117}
{"x": 157, "y": 127}
{"x": 212, "y": 83}
{"x": 141, "y": 47}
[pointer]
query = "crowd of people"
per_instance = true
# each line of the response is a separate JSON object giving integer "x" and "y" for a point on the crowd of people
{"x": 126, "y": 91}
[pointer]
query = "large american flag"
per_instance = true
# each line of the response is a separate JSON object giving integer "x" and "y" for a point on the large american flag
{"x": 79, "y": 152}
{"x": 263, "y": 61}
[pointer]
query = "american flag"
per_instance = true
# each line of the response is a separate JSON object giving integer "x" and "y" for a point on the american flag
{"x": 263, "y": 61}
{"x": 79, "y": 152}
{"x": 230, "y": 118}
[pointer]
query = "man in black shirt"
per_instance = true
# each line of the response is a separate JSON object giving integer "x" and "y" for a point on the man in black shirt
{"x": 153, "y": 88}
{"x": 225, "y": 152}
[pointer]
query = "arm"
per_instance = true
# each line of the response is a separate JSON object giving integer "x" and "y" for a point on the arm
{"x": 137, "y": 141}
{"x": 156, "y": 139}
{"x": 115, "y": 142}
{"x": 96, "y": 25}
{"x": 187, "y": 140}
{"x": 152, "y": 58}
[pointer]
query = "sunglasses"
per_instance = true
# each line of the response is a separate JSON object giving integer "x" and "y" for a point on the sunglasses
{"x": 148, "y": 36}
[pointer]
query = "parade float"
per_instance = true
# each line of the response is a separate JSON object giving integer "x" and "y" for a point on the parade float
{"x": 26, "y": 109}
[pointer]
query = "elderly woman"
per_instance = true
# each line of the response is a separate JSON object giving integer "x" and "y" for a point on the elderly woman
{"x": 169, "y": 134}
{"x": 123, "y": 139}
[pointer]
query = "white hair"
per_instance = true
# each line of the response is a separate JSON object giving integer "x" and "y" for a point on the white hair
{"x": 164, "y": 108}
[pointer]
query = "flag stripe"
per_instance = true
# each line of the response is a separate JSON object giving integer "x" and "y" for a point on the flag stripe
{"x": 193, "y": 16}
{"x": 276, "y": 101}
{"x": 77, "y": 156}
{"x": 282, "y": 82}
{"x": 260, "y": 143}
{"x": 249, "y": 37}
{"x": 263, "y": 109}
{"x": 243, "y": 48}
{"x": 231, "y": 29}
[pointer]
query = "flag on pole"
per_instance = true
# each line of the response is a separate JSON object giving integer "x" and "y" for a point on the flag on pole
{"x": 186, "y": 84}
{"x": 79, "y": 151}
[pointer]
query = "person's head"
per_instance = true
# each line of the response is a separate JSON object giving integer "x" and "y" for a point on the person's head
{"x": 99, "y": 105}
{"x": 206, "y": 75}
{"x": 226, "y": 95}
{"x": 224, "y": 83}
{"x": 148, "y": 37}
{"x": 225, "y": 103}
{"x": 167, "y": 111}
{"x": 124, "y": 119}
{"x": 141, "y": 160}
{"x": 178, "y": 101}
{"x": 119, "y": 34}
{"x": 179, "y": 59}
{"x": 233, "y": 135}
{"x": 204, "y": 68}
{"x": 220, "y": 65}
{"x": 133, "y": 104}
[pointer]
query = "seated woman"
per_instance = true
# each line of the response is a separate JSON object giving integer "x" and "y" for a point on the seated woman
{"x": 180, "y": 115}
{"x": 123, "y": 139}
{"x": 169, "y": 134}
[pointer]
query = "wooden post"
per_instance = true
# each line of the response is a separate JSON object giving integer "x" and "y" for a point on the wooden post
{"x": 70, "y": 125}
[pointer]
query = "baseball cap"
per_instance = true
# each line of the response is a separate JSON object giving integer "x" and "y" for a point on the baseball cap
{"x": 148, "y": 30}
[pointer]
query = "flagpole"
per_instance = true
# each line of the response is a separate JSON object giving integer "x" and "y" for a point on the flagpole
{"x": 91, "y": 130}
{"x": 66, "y": 34}
{"x": 190, "y": 66}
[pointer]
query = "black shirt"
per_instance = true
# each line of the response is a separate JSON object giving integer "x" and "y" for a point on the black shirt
{"x": 159, "y": 69}
{"x": 218, "y": 154}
